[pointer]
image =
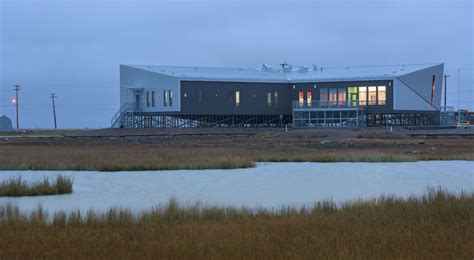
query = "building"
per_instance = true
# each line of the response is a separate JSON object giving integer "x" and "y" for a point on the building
{"x": 172, "y": 96}
{"x": 5, "y": 124}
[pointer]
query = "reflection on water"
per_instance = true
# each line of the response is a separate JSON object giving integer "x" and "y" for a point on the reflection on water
{"x": 268, "y": 185}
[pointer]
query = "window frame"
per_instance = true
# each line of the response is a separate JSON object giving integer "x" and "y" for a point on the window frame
{"x": 384, "y": 101}
{"x": 153, "y": 103}
{"x": 362, "y": 102}
{"x": 370, "y": 92}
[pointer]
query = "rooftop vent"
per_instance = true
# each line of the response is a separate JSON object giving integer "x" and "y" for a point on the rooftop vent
{"x": 285, "y": 67}
{"x": 266, "y": 67}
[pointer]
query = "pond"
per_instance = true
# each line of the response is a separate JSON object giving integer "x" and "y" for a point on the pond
{"x": 267, "y": 185}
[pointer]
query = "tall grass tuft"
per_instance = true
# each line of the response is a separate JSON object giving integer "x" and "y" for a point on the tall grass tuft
{"x": 436, "y": 225}
{"x": 16, "y": 187}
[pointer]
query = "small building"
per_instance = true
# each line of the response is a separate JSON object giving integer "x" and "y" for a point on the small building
{"x": 178, "y": 96}
{"x": 5, "y": 124}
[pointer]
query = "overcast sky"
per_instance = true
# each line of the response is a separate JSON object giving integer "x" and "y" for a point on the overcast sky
{"x": 74, "y": 48}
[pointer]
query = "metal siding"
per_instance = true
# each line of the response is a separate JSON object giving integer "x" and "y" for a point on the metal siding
{"x": 279, "y": 76}
{"x": 420, "y": 83}
{"x": 149, "y": 81}
{"x": 217, "y": 99}
{"x": 406, "y": 99}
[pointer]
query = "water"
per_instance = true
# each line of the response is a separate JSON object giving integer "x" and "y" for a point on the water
{"x": 268, "y": 185}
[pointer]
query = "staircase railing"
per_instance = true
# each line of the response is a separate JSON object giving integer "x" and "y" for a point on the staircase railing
{"x": 115, "y": 121}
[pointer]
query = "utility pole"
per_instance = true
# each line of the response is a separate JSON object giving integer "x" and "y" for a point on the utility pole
{"x": 459, "y": 95}
{"x": 445, "y": 92}
{"x": 53, "y": 96}
{"x": 17, "y": 88}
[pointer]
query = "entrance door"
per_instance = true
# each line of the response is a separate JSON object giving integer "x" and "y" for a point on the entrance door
{"x": 137, "y": 102}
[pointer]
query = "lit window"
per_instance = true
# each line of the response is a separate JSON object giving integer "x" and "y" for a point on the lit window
{"x": 153, "y": 98}
{"x": 382, "y": 93}
{"x": 269, "y": 99}
{"x": 275, "y": 95}
{"x": 363, "y": 96}
{"x": 323, "y": 96}
{"x": 372, "y": 95}
{"x": 237, "y": 98}
{"x": 301, "y": 98}
{"x": 309, "y": 97}
{"x": 352, "y": 91}
{"x": 341, "y": 96}
{"x": 332, "y": 97}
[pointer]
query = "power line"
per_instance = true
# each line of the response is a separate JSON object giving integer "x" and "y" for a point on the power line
{"x": 460, "y": 69}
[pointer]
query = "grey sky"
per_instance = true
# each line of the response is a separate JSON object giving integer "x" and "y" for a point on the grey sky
{"x": 74, "y": 48}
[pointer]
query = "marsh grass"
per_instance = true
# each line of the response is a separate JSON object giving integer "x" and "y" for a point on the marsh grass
{"x": 217, "y": 153}
{"x": 435, "y": 225}
{"x": 16, "y": 187}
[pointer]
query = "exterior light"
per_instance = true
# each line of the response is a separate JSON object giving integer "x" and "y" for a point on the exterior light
{"x": 13, "y": 101}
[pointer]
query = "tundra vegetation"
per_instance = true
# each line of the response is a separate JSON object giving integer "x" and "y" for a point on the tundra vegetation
{"x": 437, "y": 225}
{"x": 223, "y": 152}
{"x": 16, "y": 187}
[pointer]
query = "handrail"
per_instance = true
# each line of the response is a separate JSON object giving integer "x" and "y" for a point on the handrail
{"x": 126, "y": 107}
{"x": 327, "y": 104}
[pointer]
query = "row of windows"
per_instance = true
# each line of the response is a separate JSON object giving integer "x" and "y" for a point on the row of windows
{"x": 196, "y": 96}
{"x": 372, "y": 95}
{"x": 351, "y": 96}
{"x": 150, "y": 98}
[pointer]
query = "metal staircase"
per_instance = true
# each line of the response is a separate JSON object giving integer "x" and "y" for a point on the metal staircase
{"x": 117, "y": 120}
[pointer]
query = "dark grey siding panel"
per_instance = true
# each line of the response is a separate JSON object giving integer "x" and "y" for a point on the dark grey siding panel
{"x": 218, "y": 98}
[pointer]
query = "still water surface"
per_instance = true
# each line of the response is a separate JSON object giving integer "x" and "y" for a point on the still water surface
{"x": 268, "y": 185}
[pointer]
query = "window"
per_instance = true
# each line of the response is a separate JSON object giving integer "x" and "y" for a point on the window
{"x": 332, "y": 96}
{"x": 309, "y": 97}
{"x": 323, "y": 96}
{"x": 341, "y": 97}
{"x": 433, "y": 87}
{"x": 275, "y": 96}
{"x": 199, "y": 96}
{"x": 171, "y": 98}
{"x": 165, "y": 98}
{"x": 382, "y": 93}
{"x": 148, "y": 99}
{"x": 153, "y": 98}
{"x": 237, "y": 98}
{"x": 362, "y": 96}
{"x": 269, "y": 99}
{"x": 137, "y": 102}
{"x": 372, "y": 95}
{"x": 352, "y": 91}
{"x": 301, "y": 98}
